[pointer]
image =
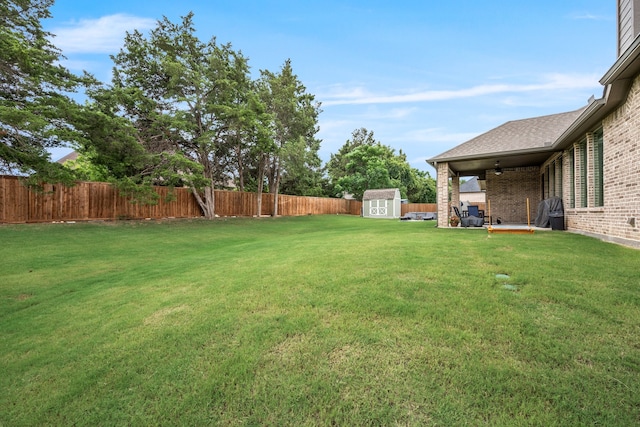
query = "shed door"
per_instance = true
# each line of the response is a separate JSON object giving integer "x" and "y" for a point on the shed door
{"x": 378, "y": 208}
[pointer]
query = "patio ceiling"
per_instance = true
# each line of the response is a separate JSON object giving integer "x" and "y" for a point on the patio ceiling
{"x": 477, "y": 166}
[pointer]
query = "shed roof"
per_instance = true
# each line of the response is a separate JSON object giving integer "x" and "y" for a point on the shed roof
{"x": 382, "y": 194}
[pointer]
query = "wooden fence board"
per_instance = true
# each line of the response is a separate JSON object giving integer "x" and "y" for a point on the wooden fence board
{"x": 101, "y": 201}
{"x": 418, "y": 207}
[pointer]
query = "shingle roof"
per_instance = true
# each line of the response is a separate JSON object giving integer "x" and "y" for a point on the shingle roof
{"x": 471, "y": 186}
{"x": 517, "y": 135}
{"x": 382, "y": 194}
{"x": 71, "y": 156}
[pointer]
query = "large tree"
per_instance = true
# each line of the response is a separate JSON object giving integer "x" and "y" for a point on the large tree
{"x": 295, "y": 116}
{"x": 364, "y": 163}
{"x": 302, "y": 174}
{"x": 187, "y": 102}
{"x": 367, "y": 168}
{"x": 337, "y": 165}
{"x": 36, "y": 111}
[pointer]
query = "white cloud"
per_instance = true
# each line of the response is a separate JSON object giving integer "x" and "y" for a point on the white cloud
{"x": 436, "y": 135}
{"x": 589, "y": 16}
{"x": 328, "y": 126}
{"x": 340, "y": 91}
{"x": 102, "y": 35}
{"x": 551, "y": 82}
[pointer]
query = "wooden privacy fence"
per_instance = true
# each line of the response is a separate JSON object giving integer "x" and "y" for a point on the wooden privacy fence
{"x": 418, "y": 207}
{"x": 100, "y": 201}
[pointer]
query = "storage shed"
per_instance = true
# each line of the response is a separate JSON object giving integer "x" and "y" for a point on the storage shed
{"x": 384, "y": 203}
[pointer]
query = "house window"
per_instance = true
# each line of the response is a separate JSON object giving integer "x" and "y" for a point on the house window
{"x": 558, "y": 176}
{"x": 572, "y": 177}
{"x": 545, "y": 182}
{"x": 587, "y": 171}
{"x": 552, "y": 179}
{"x": 598, "y": 168}
{"x": 582, "y": 164}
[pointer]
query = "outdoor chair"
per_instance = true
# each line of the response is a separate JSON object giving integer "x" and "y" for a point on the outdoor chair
{"x": 473, "y": 210}
{"x": 471, "y": 220}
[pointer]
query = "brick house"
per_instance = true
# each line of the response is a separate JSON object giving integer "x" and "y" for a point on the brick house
{"x": 590, "y": 157}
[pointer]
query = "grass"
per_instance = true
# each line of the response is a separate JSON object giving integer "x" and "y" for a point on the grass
{"x": 315, "y": 321}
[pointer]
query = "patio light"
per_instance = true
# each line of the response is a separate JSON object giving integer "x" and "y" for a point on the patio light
{"x": 498, "y": 169}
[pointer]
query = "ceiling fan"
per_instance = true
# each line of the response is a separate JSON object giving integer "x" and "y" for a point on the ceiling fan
{"x": 498, "y": 169}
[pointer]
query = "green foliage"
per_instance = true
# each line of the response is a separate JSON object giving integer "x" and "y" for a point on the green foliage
{"x": 124, "y": 324}
{"x": 303, "y": 174}
{"x": 367, "y": 167}
{"x": 364, "y": 163}
{"x": 36, "y": 113}
{"x": 179, "y": 111}
{"x": 175, "y": 111}
{"x": 337, "y": 165}
{"x": 85, "y": 170}
{"x": 294, "y": 160}
{"x": 422, "y": 189}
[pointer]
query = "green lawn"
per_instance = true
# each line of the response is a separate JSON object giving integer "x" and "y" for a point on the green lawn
{"x": 315, "y": 321}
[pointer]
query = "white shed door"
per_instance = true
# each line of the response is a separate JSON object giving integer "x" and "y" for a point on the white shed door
{"x": 378, "y": 208}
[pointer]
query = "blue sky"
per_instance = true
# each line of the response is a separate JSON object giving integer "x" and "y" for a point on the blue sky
{"x": 423, "y": 75}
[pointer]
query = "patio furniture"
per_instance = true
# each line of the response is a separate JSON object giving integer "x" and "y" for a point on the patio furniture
{"x": 469, "y": 220}
{"x": 473, "y": 210}
{"x": 419, "y": 216}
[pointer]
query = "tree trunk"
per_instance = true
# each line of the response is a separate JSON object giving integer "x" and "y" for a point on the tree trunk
{"x": 273, "y": 171}
{"x": 206, "y": 201}
{"x": 261, "y": 165}
{"x": 240, "y": 169}
{"x": 209, "y": 195}
{"x": 259, "y": 201}
{"x": 276, "y": 191}
{"x": 275, "y": 203}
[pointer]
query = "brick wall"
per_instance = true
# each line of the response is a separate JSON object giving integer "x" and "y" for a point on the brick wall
{"x": 442, "y": 183}
{"x": 619, "y": 217}
{"x": 622, "y": 167}
{"x": 455, "y": 194}
{"x": 508, "y": 193}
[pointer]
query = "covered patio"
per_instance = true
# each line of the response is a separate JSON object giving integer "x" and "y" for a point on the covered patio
{"x": 509, "y": 162}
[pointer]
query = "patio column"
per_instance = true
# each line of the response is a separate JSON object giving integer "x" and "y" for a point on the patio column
{"x": 455, "y": 193}
{"x": 442, "y": 196}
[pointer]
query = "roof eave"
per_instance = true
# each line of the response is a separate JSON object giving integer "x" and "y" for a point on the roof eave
{"x": 625, "y": 66}
{"x": 588, "y": 119}
{"x": 615, "y": 93}
{"x": 494, "y": 155}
